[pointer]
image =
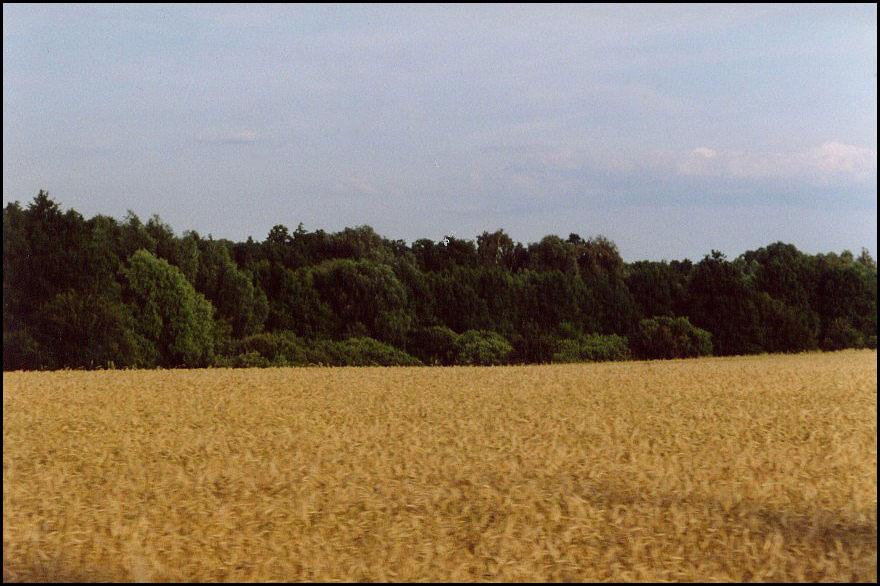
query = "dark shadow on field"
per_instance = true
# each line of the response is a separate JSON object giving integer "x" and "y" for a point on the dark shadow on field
{"x": 58, "y": 571}
{"x": 814, "y": 531}
{"x": 814, "y": 527}
{"x": 824, "y": 529}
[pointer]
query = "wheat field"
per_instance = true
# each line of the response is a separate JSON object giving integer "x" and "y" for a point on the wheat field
{"x": 719, "y": 469}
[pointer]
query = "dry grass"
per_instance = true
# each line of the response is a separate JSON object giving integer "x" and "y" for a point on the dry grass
{"x": 745, "y": 469}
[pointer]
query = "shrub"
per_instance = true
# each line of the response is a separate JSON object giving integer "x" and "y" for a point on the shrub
{"x": 286, "y": 349}
{"x": 592, "y": 348}
{"x": 670, "y": 337}
{"x": 483, "y": 348}
{"x": 279, "y": 348}
{"x": 358, "y": 352}
{"x": 251, "y": 359}
{"x": 434, "y": 345}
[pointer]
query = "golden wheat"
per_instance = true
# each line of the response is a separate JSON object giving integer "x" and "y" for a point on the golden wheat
{"x": 720, "y": 469}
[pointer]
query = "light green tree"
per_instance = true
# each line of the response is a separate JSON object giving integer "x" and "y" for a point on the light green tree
{"x": 169, "y": 313}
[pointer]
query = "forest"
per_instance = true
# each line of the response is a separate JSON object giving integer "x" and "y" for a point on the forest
{"x": 103, "y": 293}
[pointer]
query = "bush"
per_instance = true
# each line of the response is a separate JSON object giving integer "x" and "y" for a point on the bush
{"x": 245, "y": 360}
{"x": 592, "y": 348}
{"x": 533, "y": 345}
{"x": 267, "y": 349}
{"x": 358, "y": 352}
{"x": 483, "y": 348}
{"x": 434, "y": 345}
{"x": 286, "y": 349}
{"x": 670, "y": 337}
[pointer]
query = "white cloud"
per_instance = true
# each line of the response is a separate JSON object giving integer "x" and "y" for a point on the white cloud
{"x": 833, "y": 158}
{"x": 832, "y": 161}
{"x": 699, "y": 162}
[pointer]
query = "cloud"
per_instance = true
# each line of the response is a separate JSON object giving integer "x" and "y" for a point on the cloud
{"x": 831, "y": 162}
{"x": 356, "y": 185}
{"x": 233, "y": 137}
{"x": 699, "y": 162}
{"x": 252, "y": 15}
{"x": 835, "y": 158}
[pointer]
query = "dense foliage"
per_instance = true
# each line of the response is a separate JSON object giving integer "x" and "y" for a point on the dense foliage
{"x": 101, "y": 293}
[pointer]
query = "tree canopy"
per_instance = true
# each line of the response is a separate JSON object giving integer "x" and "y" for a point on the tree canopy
{"x": 102, "y": 293}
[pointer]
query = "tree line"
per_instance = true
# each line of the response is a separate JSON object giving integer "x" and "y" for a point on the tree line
{"x": 102, "y": 293}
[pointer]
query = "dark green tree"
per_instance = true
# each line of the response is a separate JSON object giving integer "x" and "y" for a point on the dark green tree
{"x": 366, "y": 298}
{"x": 654, "y": 287}
{"x": 90, "y": 330}
{"x": 458, "y": 303}
{"x": 553, "y": 253}
{"x": 230, "y": 290}
{"x": 721, "y": 303}
{"x": 495, "y": 249}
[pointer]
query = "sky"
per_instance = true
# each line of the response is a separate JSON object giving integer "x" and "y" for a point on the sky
{"x": 670, "y": 129}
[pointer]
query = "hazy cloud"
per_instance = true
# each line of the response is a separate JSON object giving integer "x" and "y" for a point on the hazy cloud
{"x": 233, "y": 137}
{"x": 835, "y": 158}
{"x": 356, "y": 185}
{"x": 832, "y": 161}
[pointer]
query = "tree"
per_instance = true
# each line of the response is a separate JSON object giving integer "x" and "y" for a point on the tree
{"x": 357, "y": 243}
{"x": 532, "y": 343}
{"x": 173, "y": 319}
{"x": 786, "y": 328}
{"x": 104, "y": 292}
{"x": 549, "y": 298}
{"x": 553, "y": 253}
{"x": 90, "y": 330}
{"x": 847, "y": 290}
{"x": 653, "y": 286}
{"x": 458, "y": 304}
{"x": 366, "y": 298}
{"x": 45, "y": 252}
{"x": 841, "y": 334}
{"x": 231, "y": 291}
{"x": 186, "y": 255}
{"x": 495, "y": 249}
{"x": 597, "y": 256}
{"x": 866, "y": 260}
{"x": 721, "y": 303}
{"x": 783, "y": 272}
{"x": 133, "y": 236}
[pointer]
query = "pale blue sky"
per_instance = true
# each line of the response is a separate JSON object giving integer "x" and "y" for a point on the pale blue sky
{"x": 672, "y": 130}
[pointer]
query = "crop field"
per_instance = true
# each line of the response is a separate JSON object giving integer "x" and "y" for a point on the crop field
{"x": 718, "y": 469}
